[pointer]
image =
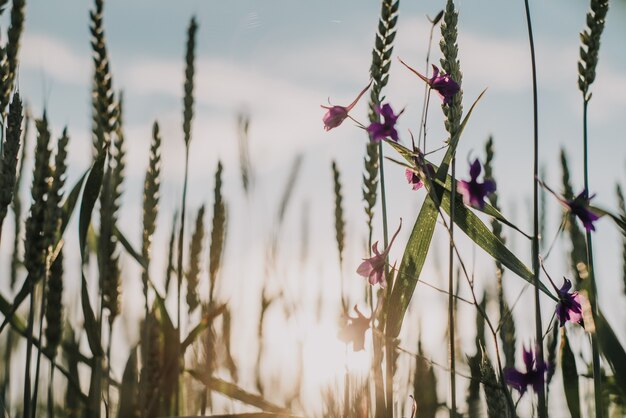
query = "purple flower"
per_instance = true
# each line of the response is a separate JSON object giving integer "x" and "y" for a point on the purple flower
{"x": 335, "y": 115}
{"x": 414, "y": 179}
{"x": 354, "y": 330}
{"x": 414, "y": 176}
{"x": 379, "y": 131}
{"x": 579, "y": 207}
{"x": 443, "y": 84}
{"x": 473, "y": 192}
{"x": 533, "y": 376}
{"x": 373, "y": 268}
{"x": 569, "y": 307}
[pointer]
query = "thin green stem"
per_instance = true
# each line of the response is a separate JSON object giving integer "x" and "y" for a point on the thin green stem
{"x": 383, "y": 200}
{"x": 5, "y": 400}
{"x": 346, "y": 389}
{"x": 426, "y": 93}
{"x": 541, "y": 406}
{"x": 425, "y": 119}
{"x": 179, "y": 273}
{"x": 97, "y": 359}
{"x": 593, "y": 295}
{"x": 389, "y": 349}
{"x": 475, "y": 302}
{"x": 2, "y": 128}
{"x": 29, "y": 352}
{"x": 42, "y": 313}
{"x": 108, "y": 369}
{"x": 451, "y": 333}
{"x": 50, "y": 400}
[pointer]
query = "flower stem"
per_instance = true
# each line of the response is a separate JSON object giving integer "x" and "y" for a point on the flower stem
{"x": 541, "y": 406}
{"x": 593, "y": 297}
{"x": 426, "y": 92}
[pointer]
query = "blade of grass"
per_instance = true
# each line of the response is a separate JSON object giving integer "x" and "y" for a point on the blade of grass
{"x": 129, "y": 390}
{"x": 235, "y": 392}
{"x": 611, "y": 348}
{"x": 482, "y": 235}
{"x": 92, "y": 328}
{"x": 419, "y": 242}
{"x": 570, "y": 377}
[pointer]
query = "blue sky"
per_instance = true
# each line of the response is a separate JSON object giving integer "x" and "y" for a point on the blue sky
{"x": 280, "y": 60}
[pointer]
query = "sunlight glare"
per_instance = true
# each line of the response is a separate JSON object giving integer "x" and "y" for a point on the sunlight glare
{"x": 325, "y": 355}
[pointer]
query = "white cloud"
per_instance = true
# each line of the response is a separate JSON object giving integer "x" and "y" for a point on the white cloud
{"x": 54, "y": 59}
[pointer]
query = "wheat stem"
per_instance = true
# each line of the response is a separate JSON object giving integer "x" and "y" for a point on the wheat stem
{"x": 593, "y": 290}
{"x": 542, "y": 410}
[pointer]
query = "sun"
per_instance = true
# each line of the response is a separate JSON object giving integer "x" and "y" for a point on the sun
{"x": 327, "y": 359}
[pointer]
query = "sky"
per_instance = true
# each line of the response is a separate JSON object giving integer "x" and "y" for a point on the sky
{"x": 278, "y": 61}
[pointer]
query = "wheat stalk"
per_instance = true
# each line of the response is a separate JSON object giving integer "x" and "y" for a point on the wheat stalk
{"x": 151, "y": 197}
{"x": 195, "y": 254}
{"x": 424, "y": 385}
{"x": 451, "y": 65}
{"x": 54, "y": 210}
{"x": 17, "y": 204}
{"x": 379, "y": 71}
{"x": 54, "y": 306}
{"x": 497, "y": 405}
{"x": 189, "y": 73}
{"x": 245, "y": 163}
{"x": 590, "y": 39}
{"x": 187, "y": 119}
{"x": 151, "y": 370}
{"x": 103, "y": 100}
{"x": 36, "y": 244}
{"x": 9, "y": 157}
{"x": 453, "y": 112}
{"x": 578, "y": 252}
{"x": 9, "y": 53}
{"x": 340, "y": 224}
{"x": 171, "y": 254}
{"x": 218, "y": 232}
{"x": 110, "y": 196}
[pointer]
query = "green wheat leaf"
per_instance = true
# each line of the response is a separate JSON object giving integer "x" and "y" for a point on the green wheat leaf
{"x": 91, "y": 325}
{"x": 570, "y": 378}
{"x": 129, "y": 248}
{"x": 253, "y": 415}
{"x": 235, "y": 392}
{"x": 205, "y": 322}
{"x": 482, "y": 235}
{"x": 611, "y": 349}
{"x": 412, "y": 263}
{"x": 419, "y": 241}
{"x": 90, "y": 195}
{"x": 129, "y": 391}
